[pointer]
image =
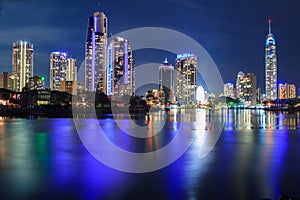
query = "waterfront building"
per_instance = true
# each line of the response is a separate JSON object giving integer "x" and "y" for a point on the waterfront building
{"x": 287, "y": 91}
{"x": 186, "y": 78}
{"x": 120, "y": 72}
{"x": 246, "y": 86}
{"x": 95, "y": 53}
{"x": 239, "y": 78}
{"x": 166, "y": 80}
{"x": 270, "y": 66}
{"x": 229, "y": 90}
{"x": 58, "y": 69}
{"x": 22, "y": 63}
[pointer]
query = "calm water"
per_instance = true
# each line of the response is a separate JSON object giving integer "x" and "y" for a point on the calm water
{"x": 257, "y": 156}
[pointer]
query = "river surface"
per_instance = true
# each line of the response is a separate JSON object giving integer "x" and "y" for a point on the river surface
{"x": 257, "y": 156}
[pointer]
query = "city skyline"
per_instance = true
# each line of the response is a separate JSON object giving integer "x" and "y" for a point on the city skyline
{"x": 251, "y": 31}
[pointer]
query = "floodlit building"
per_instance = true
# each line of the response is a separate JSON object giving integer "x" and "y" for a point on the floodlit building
{"x": 22, "y": 63}
{"x": 186, "y": 78}
{"x": 229, "y": 90}
{"x": 246, "y": 87}
{"x": 120, "y": 72}
{"x": 95, "y": 53}
{"x": 58, "y": 69}
{"x": 287, "y": 91}
{"x": 270, "y": 66}
{"x": 166, "y": 80}
{"x": 71, "y": 70}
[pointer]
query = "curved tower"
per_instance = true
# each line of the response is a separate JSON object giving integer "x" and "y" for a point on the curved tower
{"x": 271, "y": 66}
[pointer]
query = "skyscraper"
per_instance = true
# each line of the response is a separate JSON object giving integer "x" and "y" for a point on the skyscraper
{"x": 166, "y": 80}
{"x": 58, "y": 68}
{"x": 71, "y": 71}
{"x": 120, "y": 72}
{"x": 246, "y": 86}
{"x": 270, "y": 66}
{"x": 239, "y": 78}
{"x": 95, "y": 53}
{"x": 22, "y": 63}
{"x": 186, "y": 78}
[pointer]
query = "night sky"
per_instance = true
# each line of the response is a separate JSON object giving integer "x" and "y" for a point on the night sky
{"x": 232, "y": 32}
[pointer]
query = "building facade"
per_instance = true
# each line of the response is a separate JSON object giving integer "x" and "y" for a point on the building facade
{"x": 166, "y": 81}
{"x": 71, "y": 71}
{"x": 186, "y": 78}
{"x": 120, "y": 72}
{"x": 247, "y": 89}
{"x": 36, "y": 83}
{"x": 4, "y": 80}
{"x": 69, "y": 87}
{"x": 58, "y": 69}
{"x": 22, "y": 63}
{"x": 239, "y": 79}
{"x": 95, "y": 53}
{"x": 270, "y": 66}
{"x": 287, "y": 91}
{"x": 229, "y": 90}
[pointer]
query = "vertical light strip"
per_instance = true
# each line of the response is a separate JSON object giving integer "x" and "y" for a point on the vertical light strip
{"x": 109, "y": 80}
{"x": 93, "y": 56}
{"x": 125, "y": 62}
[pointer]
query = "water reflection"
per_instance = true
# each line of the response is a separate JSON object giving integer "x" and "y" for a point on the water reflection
{"x": 246, "y": 119}
{"x": 255, "y": 157}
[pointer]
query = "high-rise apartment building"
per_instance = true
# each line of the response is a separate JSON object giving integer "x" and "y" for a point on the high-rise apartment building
{"x": 247, "y": 88}
{"x": 239, "y": 78}
{"x": 58, "y": 69}
{"x": 120, "y": 72}
{"x": 270, "y": 66}
{"x": 22, "y": 63}
{"x": 287, "y": 91}
{"x": 186, "y": 78}
{"x": 166, "y": 80}
{"x": 95, "y": 53}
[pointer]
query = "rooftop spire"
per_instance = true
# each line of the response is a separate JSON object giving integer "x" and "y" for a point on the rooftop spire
{"x": 166, "y": 61}
{"x": 270, "y": 21}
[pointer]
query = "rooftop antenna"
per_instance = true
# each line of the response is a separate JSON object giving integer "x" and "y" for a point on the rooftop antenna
{"x": 270, "y": 21}
{"x": 99, "y": 5}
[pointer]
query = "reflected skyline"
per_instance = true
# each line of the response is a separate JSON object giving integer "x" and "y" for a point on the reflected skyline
{"x": 254, "y": 158}
{"x": 247, "y": 119}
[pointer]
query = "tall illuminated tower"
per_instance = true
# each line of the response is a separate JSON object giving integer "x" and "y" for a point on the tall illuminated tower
{"x": 95, "y": 53}
{"x": 186, "y": 78}
{"x": 271, "y": 66}
{"x": 120, "y": 72}
{"x": 58, "y": 68}
{"x": 22, "y": 63}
